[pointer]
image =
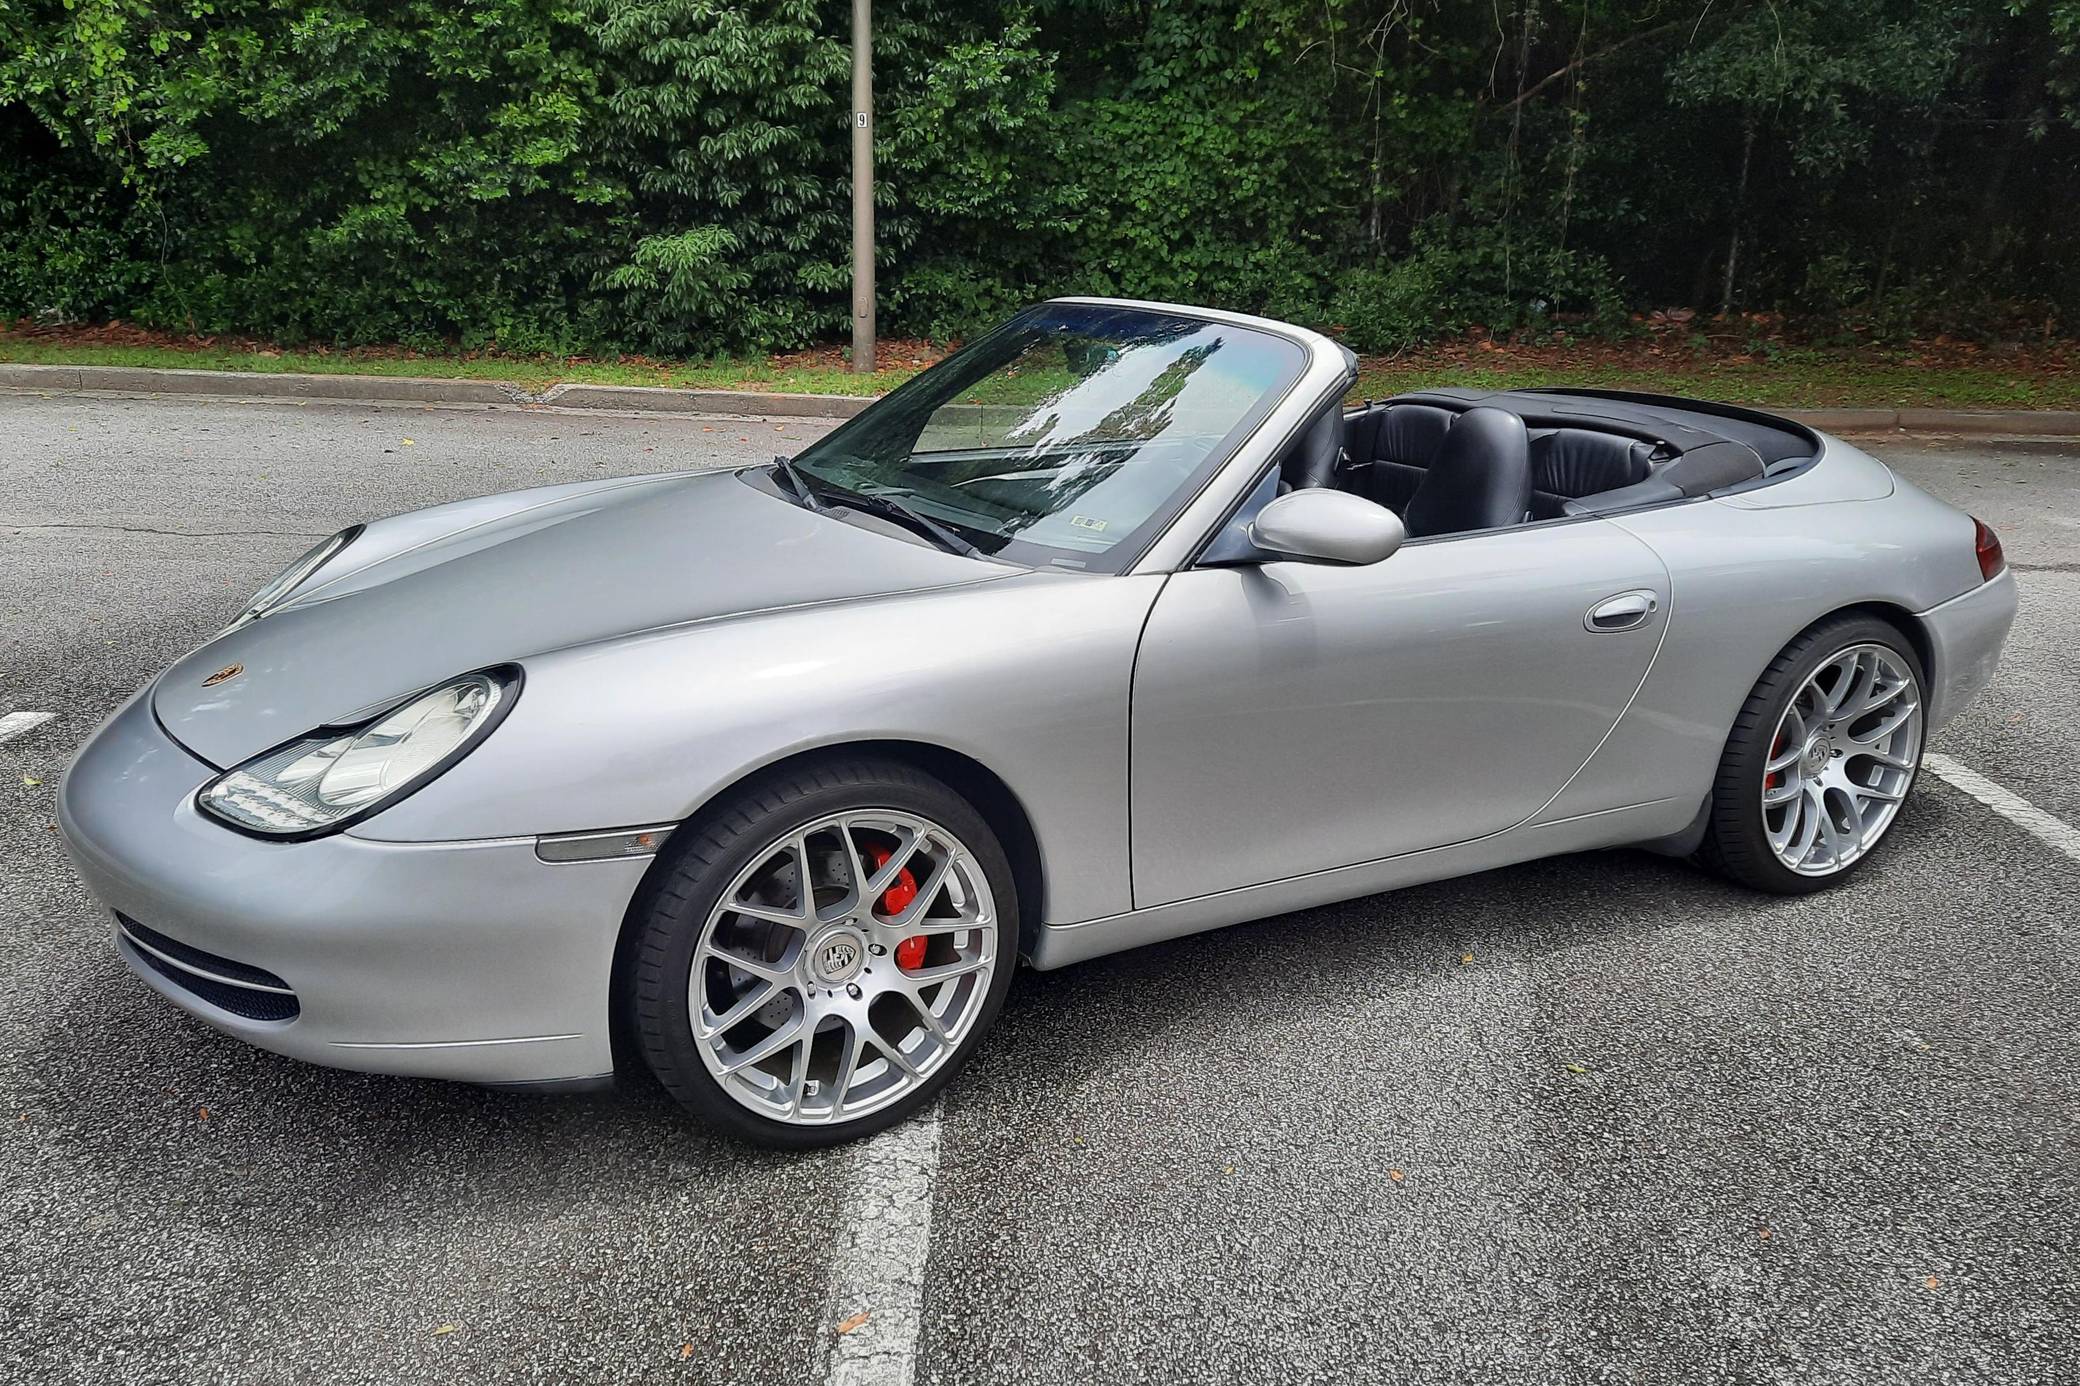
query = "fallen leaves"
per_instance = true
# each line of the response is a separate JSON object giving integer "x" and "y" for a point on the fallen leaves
{"x": 854, "y": 1323}
{"x": 685, "y": 1351}
{"x": 445, "y": 1329}
{"x": 1934, "y": 1282}
{"x": 1465, "y": 959}
{"x": 1396, "y": 1175}
{"x": 31, "y": 781}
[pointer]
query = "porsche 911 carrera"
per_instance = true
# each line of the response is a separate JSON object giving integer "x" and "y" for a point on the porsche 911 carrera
{"x": 1121, "y": 623}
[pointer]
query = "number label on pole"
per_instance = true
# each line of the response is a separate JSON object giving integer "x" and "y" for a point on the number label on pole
{"x": 859, "y": 118}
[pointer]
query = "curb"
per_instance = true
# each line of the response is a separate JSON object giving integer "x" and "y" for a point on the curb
{"x": 259, "y": 385}
{"x": 400, "y": 389}
{"x": 414, "y": 389}
{"x": 2030, "y": 423}
{"x": 659, "y": 397}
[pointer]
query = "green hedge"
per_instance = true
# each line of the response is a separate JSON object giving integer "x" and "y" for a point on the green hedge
{"x": 671, "y": 176}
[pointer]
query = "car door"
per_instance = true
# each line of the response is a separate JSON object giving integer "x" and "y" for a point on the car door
{"x": 1292, "y": 717}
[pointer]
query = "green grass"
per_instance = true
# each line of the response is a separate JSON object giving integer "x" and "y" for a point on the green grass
{"x": 1803, "y": 377}
{"x": 1841, "y": 382}
{"x": 756, "y": 373}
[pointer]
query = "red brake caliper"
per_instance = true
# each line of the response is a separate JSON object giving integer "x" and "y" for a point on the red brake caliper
{"x": 1776, "y": 749}
{"x": 893, "y": 901}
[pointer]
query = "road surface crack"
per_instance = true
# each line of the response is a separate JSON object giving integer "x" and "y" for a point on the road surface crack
{"x": 170, "y": 533}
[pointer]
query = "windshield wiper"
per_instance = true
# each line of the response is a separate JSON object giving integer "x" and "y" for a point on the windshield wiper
{"x": 785, "y": 467}
{"x": 875, "y": 503}
{"x": 888, "y": 507}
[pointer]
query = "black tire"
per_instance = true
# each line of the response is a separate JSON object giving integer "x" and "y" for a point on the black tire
{"x": 1736, "y": 844}
{"x": 705, "y": 856}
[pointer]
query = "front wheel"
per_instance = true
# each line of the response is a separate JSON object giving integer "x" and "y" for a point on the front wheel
{"x": 825, "y": 950}
{"x": 1820, "y": 759}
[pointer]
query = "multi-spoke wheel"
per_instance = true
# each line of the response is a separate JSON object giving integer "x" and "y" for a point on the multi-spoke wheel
{"x": 1820, "y": 759}
{"x": 824, "y": 952}
{"x": 1842, "y": 758}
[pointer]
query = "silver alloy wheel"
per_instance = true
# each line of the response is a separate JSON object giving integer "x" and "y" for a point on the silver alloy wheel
{"x": 802, "y": 1010}
{"x": 1842, "y": 760}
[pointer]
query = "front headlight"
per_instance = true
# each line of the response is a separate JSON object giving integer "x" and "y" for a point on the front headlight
{"x": 336, "y": 775}
{"x": 295, "y": 575}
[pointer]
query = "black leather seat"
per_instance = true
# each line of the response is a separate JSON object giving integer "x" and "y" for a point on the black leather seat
{"x": 1567, "y": 463}
{"x": 1394, "y": 443}
{"x": 1480, "y": 478}
{"x": 1311, "y": 459}
{"x": 1410, "y": 434}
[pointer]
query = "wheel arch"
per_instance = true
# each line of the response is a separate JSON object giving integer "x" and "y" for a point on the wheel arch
{"x": 1910, "y": 628}
{"x": 1728, "y": 837}
{"x": 1899, "y": 618}
{"x": 981, "y": 786}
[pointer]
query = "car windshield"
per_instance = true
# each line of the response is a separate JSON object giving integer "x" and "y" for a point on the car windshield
{"x": 1070, "y": 436}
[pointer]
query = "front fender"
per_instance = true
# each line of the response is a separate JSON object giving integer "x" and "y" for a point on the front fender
{"x": 1029, "y": 676}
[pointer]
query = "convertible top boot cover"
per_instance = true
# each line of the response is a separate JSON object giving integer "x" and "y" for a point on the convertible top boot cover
{"x": 1481, "y": 478}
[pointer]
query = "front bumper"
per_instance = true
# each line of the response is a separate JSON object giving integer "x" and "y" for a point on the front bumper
{"x": 466, "y": 960}
{"x": 1965, "y": 635}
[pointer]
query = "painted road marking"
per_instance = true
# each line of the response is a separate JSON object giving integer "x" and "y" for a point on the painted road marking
{"x": 874, "y": 1314}
{"x": 877, "y": 1275}
{"x": 2049, "y": 829}
{"x": 15, "y": 723}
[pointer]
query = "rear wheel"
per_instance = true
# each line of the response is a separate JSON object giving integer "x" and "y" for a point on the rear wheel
{"x": 825, "y": 951}
{"x": 1822, "y": 755}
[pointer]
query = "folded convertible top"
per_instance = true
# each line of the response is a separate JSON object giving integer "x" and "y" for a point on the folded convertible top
{"x": 1683, "y": 425}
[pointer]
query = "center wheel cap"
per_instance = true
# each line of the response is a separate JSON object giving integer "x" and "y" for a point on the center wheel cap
{"x": 837, "y": 957}
{"x": 1819, "y": 751}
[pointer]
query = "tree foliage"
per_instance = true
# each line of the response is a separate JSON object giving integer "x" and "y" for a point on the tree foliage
{"x": 672, "y": 175}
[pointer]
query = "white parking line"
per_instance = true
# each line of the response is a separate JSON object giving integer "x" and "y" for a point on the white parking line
{"x": 15, "y": 723}
{"x": 877, "y": 1274}
{"x": 2049, "y": 829}
{"x": 874, "y": 1312}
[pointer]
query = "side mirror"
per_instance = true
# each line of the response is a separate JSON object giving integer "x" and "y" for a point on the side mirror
{"x": 1319, "y": 526}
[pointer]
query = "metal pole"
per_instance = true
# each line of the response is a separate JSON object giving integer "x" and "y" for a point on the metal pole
{"x": 862, "y": 189}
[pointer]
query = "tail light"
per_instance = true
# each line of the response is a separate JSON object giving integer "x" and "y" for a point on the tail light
{"x": 1987, "y": 545}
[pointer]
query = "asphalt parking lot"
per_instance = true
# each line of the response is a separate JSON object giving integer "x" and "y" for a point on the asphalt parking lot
{"x": 1596, "y": 1119}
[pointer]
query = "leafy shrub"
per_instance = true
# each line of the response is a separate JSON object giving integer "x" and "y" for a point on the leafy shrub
{"x": 672, "y": 175}
{"x": 67, "y": 258}
{"x": 1456, "y": 278}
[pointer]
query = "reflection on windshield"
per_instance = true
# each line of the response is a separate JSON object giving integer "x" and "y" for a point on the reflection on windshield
{"x": 1067, "y": 434}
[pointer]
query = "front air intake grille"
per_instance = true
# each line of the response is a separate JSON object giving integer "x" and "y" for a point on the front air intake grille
{"x": 243, "y": 990}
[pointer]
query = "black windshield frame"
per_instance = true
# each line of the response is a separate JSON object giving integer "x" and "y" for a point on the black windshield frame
{"x": 876, "y": 437}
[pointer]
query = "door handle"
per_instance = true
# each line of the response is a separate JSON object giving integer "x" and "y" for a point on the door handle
{"x": 1626, "y": 611}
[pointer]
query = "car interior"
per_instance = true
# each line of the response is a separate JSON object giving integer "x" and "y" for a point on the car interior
{"x": 1457, "y": 462}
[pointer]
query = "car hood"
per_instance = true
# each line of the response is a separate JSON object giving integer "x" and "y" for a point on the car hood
{"x": 424, "y": 597}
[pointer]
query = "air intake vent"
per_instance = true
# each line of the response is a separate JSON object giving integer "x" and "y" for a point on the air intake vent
{"x": 243, "y": 990}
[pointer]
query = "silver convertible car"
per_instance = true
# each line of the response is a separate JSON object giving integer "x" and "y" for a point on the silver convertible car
{"x": 1118, "y": 624}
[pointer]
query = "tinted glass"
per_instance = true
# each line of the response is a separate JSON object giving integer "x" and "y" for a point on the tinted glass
{"x": 1068, "y": 437}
